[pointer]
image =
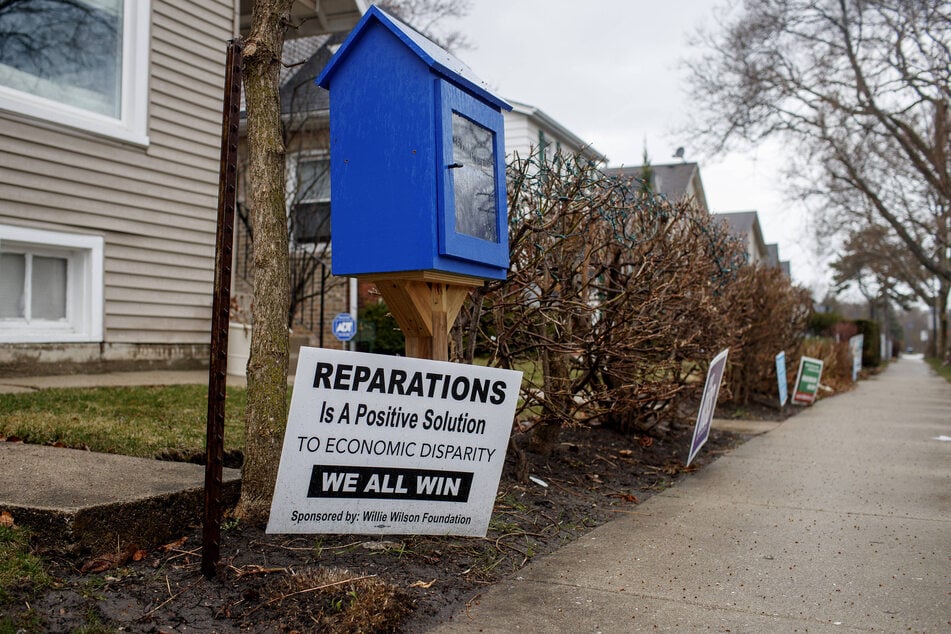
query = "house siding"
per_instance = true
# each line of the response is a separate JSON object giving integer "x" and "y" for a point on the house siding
{"x": 154, "y": 206}
{"x": 524, "y": 127}
{"x": 520, "y": 137}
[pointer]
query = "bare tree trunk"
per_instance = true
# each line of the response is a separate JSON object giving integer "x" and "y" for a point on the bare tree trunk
{"x": 266, "y": 413}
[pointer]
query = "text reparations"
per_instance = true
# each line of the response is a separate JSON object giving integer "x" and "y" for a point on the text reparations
{"x": 381, "y": 380}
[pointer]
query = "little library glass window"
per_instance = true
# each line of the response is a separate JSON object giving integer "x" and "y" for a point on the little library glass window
{"x": 474, "y": 179}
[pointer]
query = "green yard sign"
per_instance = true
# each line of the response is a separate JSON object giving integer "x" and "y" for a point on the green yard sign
{"x": 807, "y": 381}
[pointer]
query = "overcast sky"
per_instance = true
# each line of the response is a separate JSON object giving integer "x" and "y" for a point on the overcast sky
{"x": 610, "y": 71}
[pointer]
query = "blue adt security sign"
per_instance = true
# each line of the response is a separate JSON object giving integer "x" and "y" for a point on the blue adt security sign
{"x": 344, "y": 327}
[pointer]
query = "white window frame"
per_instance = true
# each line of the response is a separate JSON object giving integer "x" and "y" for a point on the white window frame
{"x": 132, "y": 124}
{"x": 291, "y": 190}
{"x": 84, "y": 286}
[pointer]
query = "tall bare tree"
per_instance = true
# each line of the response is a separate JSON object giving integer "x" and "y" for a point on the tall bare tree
{"x": 266, "y": 413}
{"x": 859, "y": 91}
{"x": 874, "y": 263}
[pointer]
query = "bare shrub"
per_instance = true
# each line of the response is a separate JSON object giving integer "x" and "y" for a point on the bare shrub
{"x": 836, "y": 361}
{"x": 610, "y": 300}
{"x": 767, "y": 314}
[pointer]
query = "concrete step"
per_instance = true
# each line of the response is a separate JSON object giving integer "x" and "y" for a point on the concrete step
{"x": 86, "y": 502}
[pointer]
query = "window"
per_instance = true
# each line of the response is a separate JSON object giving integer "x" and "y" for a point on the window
{"x": 50, "y": 286}
{"x": 32, "y": 287}
{"x": 470, "y": 179}
{"x": 83, "y": 63}
{"x": 310, "y": 193}
{"x": 474, "y": 179}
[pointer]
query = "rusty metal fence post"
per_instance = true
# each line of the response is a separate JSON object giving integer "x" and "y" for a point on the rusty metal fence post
{"x": 218, "y": 366}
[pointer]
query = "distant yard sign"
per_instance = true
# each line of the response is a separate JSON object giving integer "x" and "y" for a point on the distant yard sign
{"x": 708, "y": 404}
{"x": 391, "y": 445}
{"x": 807, "y": 381}
{"x": 781, "y": 378}
{"x": 856, "y": 343}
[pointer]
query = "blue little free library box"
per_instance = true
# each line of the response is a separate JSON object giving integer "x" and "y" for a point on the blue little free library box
{"x": 417, "y": 158}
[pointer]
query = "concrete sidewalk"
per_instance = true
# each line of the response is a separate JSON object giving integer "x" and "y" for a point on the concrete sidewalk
{"x": 91, "y": 501}
{"x": 12, "y": 385}
{"x": 837, "y": 520}
{"x": 82, "y": 500}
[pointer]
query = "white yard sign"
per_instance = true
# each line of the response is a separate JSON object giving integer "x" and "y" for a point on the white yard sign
{"x": 379, "y": 444}
{"x": 708, "y": 404}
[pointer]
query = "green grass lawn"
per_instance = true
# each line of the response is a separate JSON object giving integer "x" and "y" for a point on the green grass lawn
{"x": 944, "y": 371}
{"x": 147, "y": 422}
{"x": 18, "y": 566}
{"x": 22, "y": 573}
{"x": 531, "y": 369}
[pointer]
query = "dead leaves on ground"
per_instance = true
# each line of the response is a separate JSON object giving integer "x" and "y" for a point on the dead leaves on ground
{"x": 627, "y": 497}
{"x": 255, "y": 569}
{"x": 109, "y": 561}
{"x": 336, "y": 601}
{"x": 175, "y": 545}
{"x": 58, "y": 444}
{"x": 422, "y": 584}
{"x": 119, "y": 558}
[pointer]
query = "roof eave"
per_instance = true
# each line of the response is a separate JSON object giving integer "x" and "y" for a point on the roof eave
{"x": 539, "y": 116}
{"x": 314, "y": 17}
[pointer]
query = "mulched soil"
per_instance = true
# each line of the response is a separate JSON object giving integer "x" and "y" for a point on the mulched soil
{"x": 359, "y": 583}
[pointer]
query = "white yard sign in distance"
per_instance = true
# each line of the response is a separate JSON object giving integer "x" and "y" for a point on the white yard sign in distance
{"x": 856, "y": 343}
{"x": 711, "y": 389}
{"x": 390, "y": 445}
{"x": 781, "y": 378}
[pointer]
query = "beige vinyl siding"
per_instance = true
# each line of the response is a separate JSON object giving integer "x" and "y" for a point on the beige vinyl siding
{"x": 154, "y": 206}
{"x": 24, "y": 140}
{"x": 163, "y": 287}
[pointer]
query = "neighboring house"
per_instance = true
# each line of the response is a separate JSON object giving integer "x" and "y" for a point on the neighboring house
{"x": 675, "y": 181}
{"x": 678, "y": 181}
{"x": 317, "y": 295}
{"x": 528, "y": 129}
{"x": 110, "y": 123}
{"x": 315, "y": 17}
{"x": 745, "y": 226}
{"x": 772, "y": 251}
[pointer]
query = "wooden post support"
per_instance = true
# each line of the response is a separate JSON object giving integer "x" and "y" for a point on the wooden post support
{"x": 425, "y": 304}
